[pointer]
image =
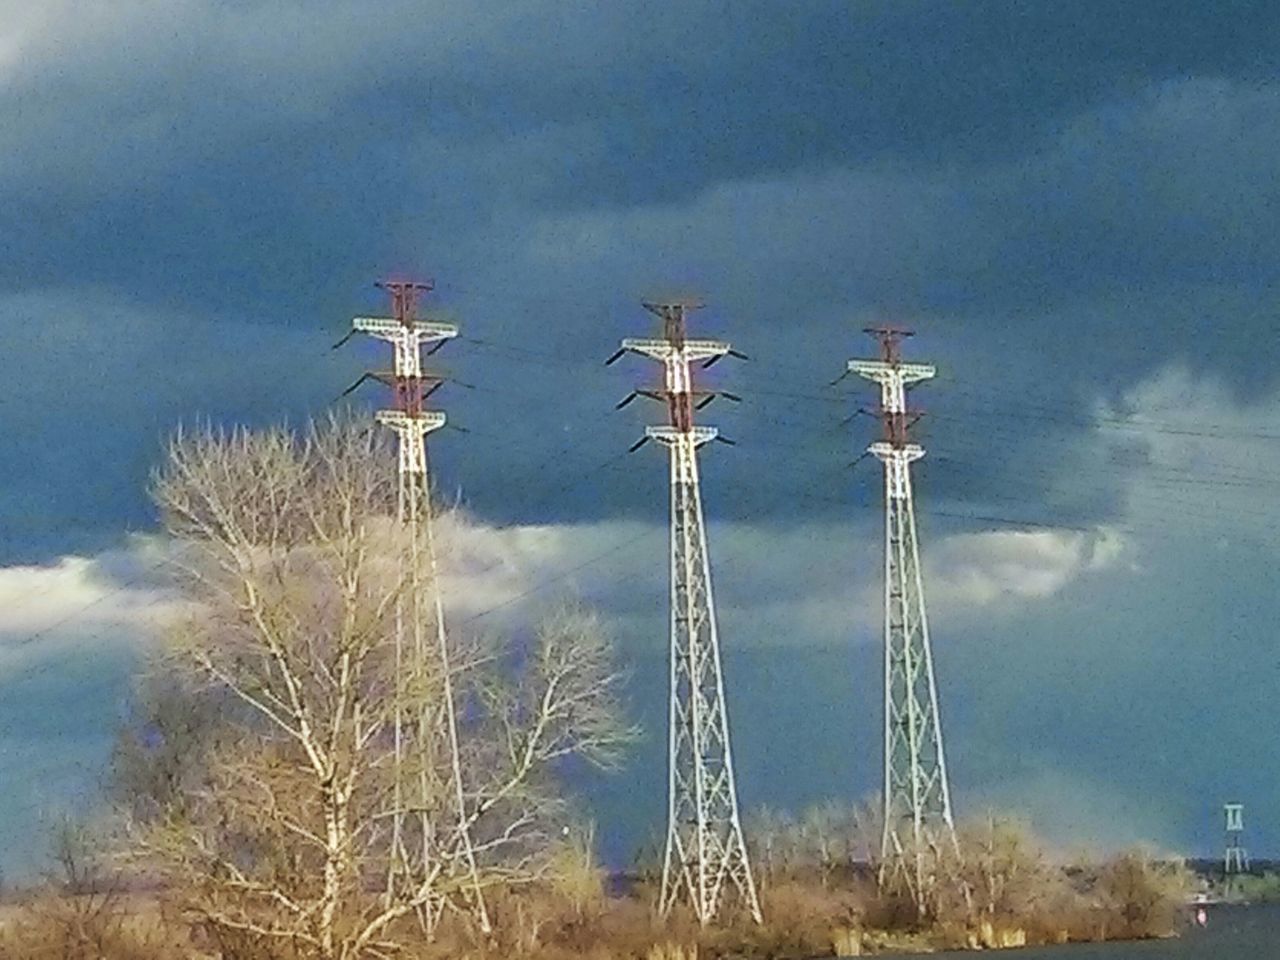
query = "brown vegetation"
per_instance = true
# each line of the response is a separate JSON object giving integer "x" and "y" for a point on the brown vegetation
{"x": 820, "y": 905}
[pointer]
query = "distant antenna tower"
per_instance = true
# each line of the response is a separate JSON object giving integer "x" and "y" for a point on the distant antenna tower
{"x": 1236, "y": 859}
{"x": 917, "y": 798}
{"x": 705, "y": 849}
{"x": 411, "y": 423}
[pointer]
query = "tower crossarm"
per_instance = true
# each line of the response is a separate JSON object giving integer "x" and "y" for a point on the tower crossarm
{"x": 401, "y": 422}
{"x": 669, "y": 436}
{"x": 895, "y": 460}
{"x": 677, "y": 354}
{"x": 880, "y": 371}
{"x": 691, "y": 351}
{"x": 387, "y": 327}
{"x": 682, "y": 444}
{"x": 894, "y": 378}
{"x": 412, "y": 429}
{"x": 676, "y": 358}
{"x": 408, "y": 338}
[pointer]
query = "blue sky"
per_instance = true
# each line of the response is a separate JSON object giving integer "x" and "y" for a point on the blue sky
{"x": 1075, "y": 205}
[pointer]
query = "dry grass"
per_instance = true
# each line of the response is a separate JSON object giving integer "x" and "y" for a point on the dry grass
{"x": 1016, "y": 896}
{"x": 56, "y": 927}
{"x": 573, "y": 919}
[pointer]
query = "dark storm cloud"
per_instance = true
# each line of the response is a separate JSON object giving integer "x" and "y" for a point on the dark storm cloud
{"x": 1064, "y": 199}
{"x": 95, "y": 384}
{"x": 1015, "y": 181}
{"x": 1132, "y": 236}
{"x": 243, "y": 152}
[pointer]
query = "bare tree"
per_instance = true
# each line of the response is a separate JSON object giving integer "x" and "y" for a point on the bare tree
{"x": 1002, "y": 874}
{"x": 83, "y": 913}
{"x": 767, "y": 832}
{"x": 161, "y": 750}
{"x": 826, "y": 840}
{"x": 1144, "y": 892}
{"x": 826, "y": 832}
{"x": 287, "y": 549}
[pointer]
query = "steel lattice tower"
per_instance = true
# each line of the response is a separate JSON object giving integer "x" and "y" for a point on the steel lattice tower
{"x": 1236, "y": 859}
{"x": 705, "y": 849}
{"x": 917, "y": 801}
{"x": 415, "y": 785}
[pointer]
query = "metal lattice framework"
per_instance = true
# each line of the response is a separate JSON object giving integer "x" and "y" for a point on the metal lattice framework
{"x": 421, "y": 722}
{"x": 705, "y": 849}
{"x": 918, "y": 825}
{"x": 1236, "y": 858}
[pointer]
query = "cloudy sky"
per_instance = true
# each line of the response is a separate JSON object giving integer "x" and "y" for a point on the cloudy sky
{"x": 1075, "y": 205}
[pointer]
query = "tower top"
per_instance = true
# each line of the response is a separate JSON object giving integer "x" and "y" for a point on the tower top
{"x": 673, "y": 311}
{"x": 678, "y": 355}
{"x": 404, "y": 296}
{"x": 894, "y": 377}
{"x": 660, "y": 304}
{"x": 1234, "y": 813}
{"x": 890, "y": 338}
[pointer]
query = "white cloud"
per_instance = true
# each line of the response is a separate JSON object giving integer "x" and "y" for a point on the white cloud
{"x": 806, "y": 584}
{"x": 88, "y": 606}
{"x": 492, "y": 576}
{"x": 1198, "y": 460}
{"x": 822, "y": 584}
{"x": 812, "y": 585}
{"x": 980, "y": 570}
{"x": 35, "y": 599}
{"x": 499, "y": 573}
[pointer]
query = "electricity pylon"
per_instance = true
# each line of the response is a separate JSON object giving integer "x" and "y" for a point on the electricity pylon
{"x": 705, "y": 849}
{"x": 1235, "y": 860}
{"x": 412, "y": 783}
{"x": 917, "y": 800}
